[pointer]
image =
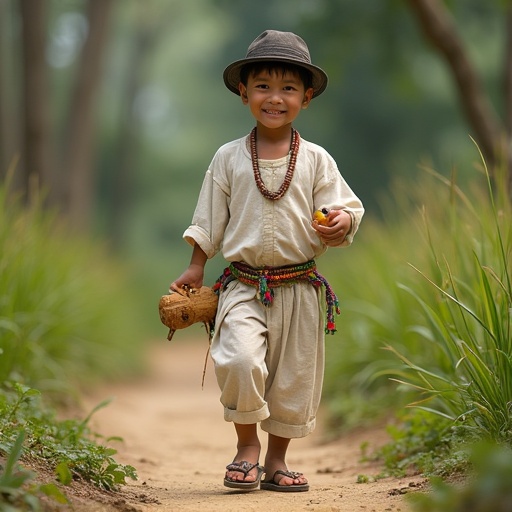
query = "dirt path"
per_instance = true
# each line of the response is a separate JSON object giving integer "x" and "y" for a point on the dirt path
{"x": 175, "y": 436}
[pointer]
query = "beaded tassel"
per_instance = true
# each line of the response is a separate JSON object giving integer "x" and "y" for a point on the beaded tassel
{"x": 331, "y": 299}
{"x": 221, "y": 280}
{"x": 266, "y": 293}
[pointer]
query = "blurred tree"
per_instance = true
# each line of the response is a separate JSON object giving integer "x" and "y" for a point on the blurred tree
{"x": 493, "y": 135}
{"x": 79, "y": 157}
{"x": 9, "y": 123}
{"x": 128, "y": 144}
{"x": 390, "y": 101}
{"x": 37, "y": 156}
{"x": 148, "y": 30}
{"x": 69, "y": 186}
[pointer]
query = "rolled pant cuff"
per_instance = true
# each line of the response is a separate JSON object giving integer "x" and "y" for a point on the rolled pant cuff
{"x": 246, "y": 418}
{"x": 287, "y": 431}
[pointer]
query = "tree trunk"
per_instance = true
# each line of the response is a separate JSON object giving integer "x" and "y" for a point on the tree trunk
{"x": 148, "y": 31}
{"x": 37, "y": 137}
{"x": 79, "y": 149}
{"x": 8, "y": 141}
{"x": 507, "y": 93}
{"x": 439, "y": 28}
{"x": 507, "y": 75}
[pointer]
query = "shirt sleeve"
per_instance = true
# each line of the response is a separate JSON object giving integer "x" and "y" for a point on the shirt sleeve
{"x": 332, "y": 192}
{"x": 212, "y": 212}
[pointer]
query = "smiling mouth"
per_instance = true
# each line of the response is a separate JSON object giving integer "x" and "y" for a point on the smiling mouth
{"x": 273, "y": 112}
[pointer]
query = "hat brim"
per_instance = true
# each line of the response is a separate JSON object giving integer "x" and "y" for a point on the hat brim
{"x": 231, "y": 74}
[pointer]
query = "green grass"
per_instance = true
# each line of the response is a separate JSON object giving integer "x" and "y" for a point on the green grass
{"x": 31, "y": 435}
{"x": 69, "y": 318}
{"x": 467, "y": 316}
{"x": 486, "y": 489}
{"x": 66, "y": 306}
{"x": 375, "y": 312}
{"x": 426, "y": 292}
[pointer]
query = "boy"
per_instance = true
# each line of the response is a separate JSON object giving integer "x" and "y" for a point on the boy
{"x": 256, "y": 205}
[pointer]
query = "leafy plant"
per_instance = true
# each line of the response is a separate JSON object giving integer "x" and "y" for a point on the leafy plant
{"x": 17, "y": 486}
{"x": 69, "y": 446}
{"x": 487, "y": 489}
{"x": 422, "y": 442}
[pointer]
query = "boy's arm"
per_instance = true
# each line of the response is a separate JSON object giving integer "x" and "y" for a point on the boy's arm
{"x": 194, "y": 274}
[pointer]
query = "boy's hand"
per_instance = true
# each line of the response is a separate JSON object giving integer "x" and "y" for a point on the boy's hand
{"x": 333, "y": 233}
{"x": 191, "y": 278}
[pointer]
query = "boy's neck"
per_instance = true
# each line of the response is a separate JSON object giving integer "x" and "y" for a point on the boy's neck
{"x": 272, "y": 144}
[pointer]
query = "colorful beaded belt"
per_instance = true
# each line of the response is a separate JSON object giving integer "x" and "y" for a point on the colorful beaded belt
{"x": 267, "y": 278}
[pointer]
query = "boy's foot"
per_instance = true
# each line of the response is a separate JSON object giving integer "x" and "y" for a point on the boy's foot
{"x": 250, "y": 475}
{"x": 285, "y": 481}
{"x": 245, "y": 468}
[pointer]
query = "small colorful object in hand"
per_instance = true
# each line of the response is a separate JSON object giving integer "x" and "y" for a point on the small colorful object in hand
{"x": 322, "y": 216}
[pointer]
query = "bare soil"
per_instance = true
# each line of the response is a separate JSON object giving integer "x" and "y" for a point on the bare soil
{"x": 174, "y": 434}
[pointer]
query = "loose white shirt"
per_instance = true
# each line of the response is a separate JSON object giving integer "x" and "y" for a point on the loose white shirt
{"x": 233, "y": 216}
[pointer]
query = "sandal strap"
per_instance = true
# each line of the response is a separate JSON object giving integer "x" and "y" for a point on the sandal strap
{"x": 290, "y": 474}
{"x": 243, "y": 467}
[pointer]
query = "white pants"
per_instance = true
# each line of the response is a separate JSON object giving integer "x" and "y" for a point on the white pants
{"x": 269, "y": 361}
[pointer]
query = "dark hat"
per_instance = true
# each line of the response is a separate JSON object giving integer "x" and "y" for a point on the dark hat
{"x": 275, "y": 46}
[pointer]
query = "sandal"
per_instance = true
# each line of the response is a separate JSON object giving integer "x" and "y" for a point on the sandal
{"x": 272, "y": 485}
{"x": 244, "y": 467}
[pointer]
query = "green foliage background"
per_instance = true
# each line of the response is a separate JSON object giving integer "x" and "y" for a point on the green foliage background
{"x": 68, "y": 313}
{"x": 390, "y": 104}
{"x": 73, "y": 307}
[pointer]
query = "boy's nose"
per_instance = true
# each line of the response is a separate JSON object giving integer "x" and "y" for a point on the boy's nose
{"x": 275, "y": 98}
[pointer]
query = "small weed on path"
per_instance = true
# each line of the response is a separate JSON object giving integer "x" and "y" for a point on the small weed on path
{"x": 32, "y": 436}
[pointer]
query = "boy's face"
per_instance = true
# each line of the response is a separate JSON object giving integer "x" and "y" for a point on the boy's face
{"x": 275, "y": 98}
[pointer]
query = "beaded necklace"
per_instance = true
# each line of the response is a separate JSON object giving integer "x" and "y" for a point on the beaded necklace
{"x": 294, "y": 148}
